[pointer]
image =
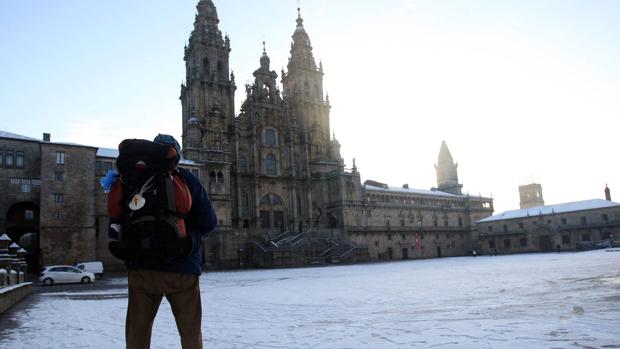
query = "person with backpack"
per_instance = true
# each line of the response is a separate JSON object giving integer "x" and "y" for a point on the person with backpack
{"x": 158, "y": 216}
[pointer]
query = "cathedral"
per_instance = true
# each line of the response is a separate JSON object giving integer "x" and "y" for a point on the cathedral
{"x": 276, "y": 176}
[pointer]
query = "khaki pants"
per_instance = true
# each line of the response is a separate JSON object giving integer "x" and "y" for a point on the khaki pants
{"x": 146, "y": 289}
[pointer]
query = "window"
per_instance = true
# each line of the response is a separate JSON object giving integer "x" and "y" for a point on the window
{"x": 492, "y": 244}
{"x": 36, "y": 182}
{"x": 28, "y": 215}
{"x": 98, "y": 165}
{"x": 26, "y": 185}
{"x": 490, "y": 228}
{"x": 585, "y": 237}
{"x": 435, "y": 222}
{"x": 445, "y": 222}
{"x": 523, "y": 242}
{"x": 60, "y": 158}
{"x": 244, "y": 204}
{"x": 243, "y": 166}
{"x": 270, "y": 137}
{"x": 566, "y": 239}
{"x": 270, "y": 162}
{"x": 59, "y": 198}
{"x": 389, "y": 236}
{"x": 563, "y": 221}
{"x": 506, "y": 243}
{"x": 460, "y": 221}
{"x": 15, "y": 180}
{"x": 59, "y": 176}
{"x": 376, "y": 243}
{"x": 9, "y": 159}
{"x": 604, "y": 217}
{"x": 402, "y": 222}
{"x": 1, "y": 158}
{"x": 19, "y": 159}
{"x": 403, "y": 237}
{"x": 583, "y": 220}
{"x": 58, "y": 215}
{"x": 505, "y": 228}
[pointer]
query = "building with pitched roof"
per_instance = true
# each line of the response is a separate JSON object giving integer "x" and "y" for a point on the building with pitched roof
{"x": 544, "y": 228}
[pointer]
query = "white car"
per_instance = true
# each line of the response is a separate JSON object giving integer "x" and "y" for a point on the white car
{"x": 60, "y": 274}
{"x": 95, "y": 267}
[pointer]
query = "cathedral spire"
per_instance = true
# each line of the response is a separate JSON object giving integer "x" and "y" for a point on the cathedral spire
{"x": 206, "y": 23}
{"x": 447, "y": 175}
{"x": 301, "y": 49}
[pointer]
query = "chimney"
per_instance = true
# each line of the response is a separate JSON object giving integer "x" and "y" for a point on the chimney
{"x": 406, "y": 186}
{"x": 46, "y": 137}
{"x": 607, "y": 193}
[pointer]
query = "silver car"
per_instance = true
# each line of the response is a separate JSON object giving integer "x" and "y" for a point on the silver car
{"x": 64, "y": 274}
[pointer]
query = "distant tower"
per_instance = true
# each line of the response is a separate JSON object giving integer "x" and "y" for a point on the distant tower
{"x": 607, "y": 193}
{"x": 207, "y": 96}
{"x": 531, "y": 195}
{"x": 447, "y": 176}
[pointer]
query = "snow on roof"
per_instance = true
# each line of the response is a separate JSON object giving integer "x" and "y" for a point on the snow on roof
{"x": 5, "y": 134}
{"x": 113, "y": 154}
{"x": 551, "y": 209}
{"x": 411, "y": 191}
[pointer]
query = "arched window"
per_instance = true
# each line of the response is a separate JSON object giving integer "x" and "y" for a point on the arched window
{"x": 270, "y": 165}
{"x": 220, "y": 177}
{"x": 271, "y": 138}
{"x": 220, "y": 71}
{"x": 205, "y": 66}
{"x": 272, "y": 212}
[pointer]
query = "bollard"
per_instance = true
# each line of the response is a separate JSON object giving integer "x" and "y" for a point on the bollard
{"x": 3, "y": 278}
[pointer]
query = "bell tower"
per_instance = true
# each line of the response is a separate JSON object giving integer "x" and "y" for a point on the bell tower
{"x": 207, "y": 96}
{"x": 303, "y": 91}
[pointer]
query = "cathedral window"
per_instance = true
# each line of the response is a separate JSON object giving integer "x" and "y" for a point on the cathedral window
{"x": 205, "y": 66}
{"x": 272, "y": 212}
{"x": 243, "y": 166}
{"x": 270, "y": 164}
{"x": 271, "y": 139}
{"x": 244, "y": 204}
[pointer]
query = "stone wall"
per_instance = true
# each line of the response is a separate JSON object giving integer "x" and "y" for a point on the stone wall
{"x": 67, "y": 205}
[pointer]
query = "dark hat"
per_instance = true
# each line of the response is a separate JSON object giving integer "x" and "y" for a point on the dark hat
{"x": 168, "y": 139}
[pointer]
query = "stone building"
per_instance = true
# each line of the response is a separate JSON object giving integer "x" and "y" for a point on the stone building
{"x": 275, "y": 170}
{"x": 47, "y": 200}
{"x": 549, "y": 228}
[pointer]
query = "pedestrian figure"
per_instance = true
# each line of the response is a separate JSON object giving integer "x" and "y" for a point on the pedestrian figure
{"x": 167, "y": 211}
{"x": 473, "y": 252}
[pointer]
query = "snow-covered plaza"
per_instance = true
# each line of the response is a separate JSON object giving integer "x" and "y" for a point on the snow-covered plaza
{"x": 566, "y": 300}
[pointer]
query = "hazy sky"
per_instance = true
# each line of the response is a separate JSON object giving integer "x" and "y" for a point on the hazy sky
{"x": 520, "y": 90}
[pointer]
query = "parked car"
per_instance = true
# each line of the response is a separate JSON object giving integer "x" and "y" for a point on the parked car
{"x": 59, "y": 274}
{"x": 95, "y": 267}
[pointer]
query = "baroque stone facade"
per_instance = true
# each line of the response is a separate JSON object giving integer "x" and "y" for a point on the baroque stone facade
{"x": 275, "y": 170}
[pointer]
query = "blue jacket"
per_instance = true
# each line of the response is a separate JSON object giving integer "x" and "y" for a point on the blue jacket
{"x": 200, "y": 221}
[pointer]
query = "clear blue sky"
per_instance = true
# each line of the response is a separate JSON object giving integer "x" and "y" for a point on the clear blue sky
{"x": 520, "y": 90}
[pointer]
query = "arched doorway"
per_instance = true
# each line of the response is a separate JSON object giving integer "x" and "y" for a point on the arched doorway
{"x": 22, "y": 226}
{"x": 272, "y": 210}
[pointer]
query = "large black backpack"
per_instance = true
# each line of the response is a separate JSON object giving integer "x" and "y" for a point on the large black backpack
{"x": 150, "y": 201}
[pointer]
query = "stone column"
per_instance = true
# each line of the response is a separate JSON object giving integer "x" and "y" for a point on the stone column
{"x": 14, "y": 269}
{"x": 5, "y": 260}
{"x": 23, "y": 266}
